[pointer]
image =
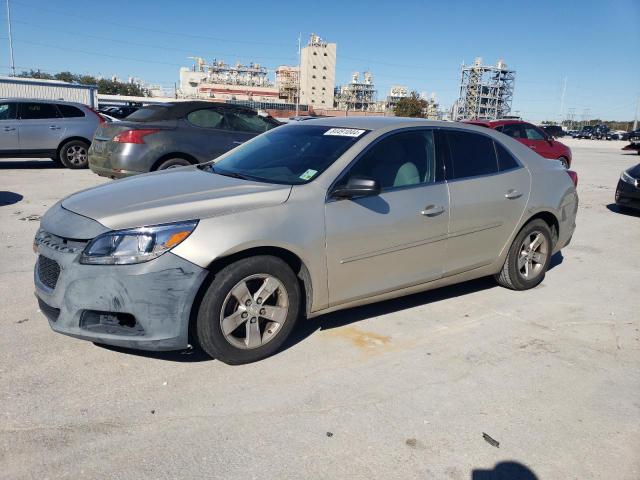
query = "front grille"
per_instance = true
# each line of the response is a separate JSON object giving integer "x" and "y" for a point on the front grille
{"x": 52, "y": 313}
{"x": 48, "y": 271}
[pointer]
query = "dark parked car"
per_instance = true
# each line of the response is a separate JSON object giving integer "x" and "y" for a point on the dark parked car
{"x": 600, "y": 132}
{"x": 628, "y": 190}
{"x": 120, "y": 111}
{"x": 554, "y": 131}
{"x": 169, "y": 135}
{"x": 533, "y": 137}
{"x": 585, "y": 132}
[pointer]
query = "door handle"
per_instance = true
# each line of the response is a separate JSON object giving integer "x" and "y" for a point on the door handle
{"x": 9, "y": 129}
{"x": 54, "y": 127}
{"x": 236, "y": 142}
{"x": 533, "y": 147}
{"x": 512, "y": 194}
{"x": 432, "y": 210}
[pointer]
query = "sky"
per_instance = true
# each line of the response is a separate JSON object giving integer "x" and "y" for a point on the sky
{"x": 588, "y": 49}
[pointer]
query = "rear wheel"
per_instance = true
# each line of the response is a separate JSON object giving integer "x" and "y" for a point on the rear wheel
{"x": 173, "y": 163}
{"x": 249, "y": 310}
{"x": 74, "y": 154}
{"x": 528, "y": 258}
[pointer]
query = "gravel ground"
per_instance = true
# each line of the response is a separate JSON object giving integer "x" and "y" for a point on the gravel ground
{"x": 400, "y": 389}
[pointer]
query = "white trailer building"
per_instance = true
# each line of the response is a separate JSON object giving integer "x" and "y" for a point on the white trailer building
{"x": 16, "y": 87}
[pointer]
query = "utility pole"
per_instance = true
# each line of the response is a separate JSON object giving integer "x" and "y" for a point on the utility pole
{"x": 299, "y": 75}
{"x": 635, "y": 119}
{"x": 564, "y": 89}
{"x": 13, "y": 65}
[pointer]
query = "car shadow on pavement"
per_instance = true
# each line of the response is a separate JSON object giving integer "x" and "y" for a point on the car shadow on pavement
{"x": 9, "y": 198}
{"x": 615, "y": 208}
{"x": 191, "y": 355}
{"x": 508, "y": 470}
{"x": 28, "y": 164}
{"x": 341, "y": 318}
{"x": 328, "y": 321}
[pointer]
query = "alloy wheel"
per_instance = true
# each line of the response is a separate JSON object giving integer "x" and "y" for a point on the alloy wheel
{"x": 532, "y": 258}
{"x": 254, "y": 311}
{"x": 76, "y": 155}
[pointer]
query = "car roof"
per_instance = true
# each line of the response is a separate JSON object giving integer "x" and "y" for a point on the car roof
{"x": 180, "y": 109}
{"x": 374, "y": 122}
{"x": 41, "y": 100}
{"x": 493, "y": 123}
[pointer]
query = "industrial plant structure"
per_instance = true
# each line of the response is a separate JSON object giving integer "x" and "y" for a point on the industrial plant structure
{"x": 486, "y": 91}
{"x": 357, "y": 95}
{"x": 288, "y": 83}
{"x": 227, "y": 82}
{"x": 317, "y": 72}
{"x": 307, "y": 87}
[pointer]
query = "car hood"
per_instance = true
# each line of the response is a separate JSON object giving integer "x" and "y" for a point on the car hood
{"x": 170, "y": 196}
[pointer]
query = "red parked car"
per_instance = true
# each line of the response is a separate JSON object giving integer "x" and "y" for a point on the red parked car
{"x": 532, "y": 136}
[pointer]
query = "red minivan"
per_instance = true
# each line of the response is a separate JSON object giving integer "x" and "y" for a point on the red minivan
{"x": 532, "y": 136}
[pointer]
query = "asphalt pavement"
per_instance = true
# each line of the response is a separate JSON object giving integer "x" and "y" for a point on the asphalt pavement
{"x": 457, "y": 383}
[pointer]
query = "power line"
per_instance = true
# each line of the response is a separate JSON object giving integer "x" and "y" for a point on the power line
{"x": 145, "y": 45}
{"x": 138, "y": 27}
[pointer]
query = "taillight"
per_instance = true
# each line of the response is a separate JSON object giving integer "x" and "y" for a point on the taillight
{"x": 97, "y": 114}
{"x": 574, "y": 176}
{"x": 134, "y": 136}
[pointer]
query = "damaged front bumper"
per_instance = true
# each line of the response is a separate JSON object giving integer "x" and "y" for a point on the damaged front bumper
{"x": 144, "y": 306}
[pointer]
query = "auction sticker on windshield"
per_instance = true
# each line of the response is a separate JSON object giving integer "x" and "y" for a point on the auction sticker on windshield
{"x": 308, "y": 174}
{"x": 344, "y": 132}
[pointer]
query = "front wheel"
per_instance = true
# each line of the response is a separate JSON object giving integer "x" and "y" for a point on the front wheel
{"x": 528, "y": 258}
{"x": 74, "y": 154}
{"x": 249, "y": 310}
{"x": 173, "y": 163}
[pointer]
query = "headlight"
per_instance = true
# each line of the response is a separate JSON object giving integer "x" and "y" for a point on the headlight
{"x": 137, "y": 245}
{"x": 625, "y": 177}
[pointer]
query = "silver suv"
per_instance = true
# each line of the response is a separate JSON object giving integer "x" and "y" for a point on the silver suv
{"x": 304, "y": 219}
{"x": 61, "y": 131}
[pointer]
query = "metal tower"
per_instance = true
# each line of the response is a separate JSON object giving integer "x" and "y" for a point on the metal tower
{"x": 485, "y": 91}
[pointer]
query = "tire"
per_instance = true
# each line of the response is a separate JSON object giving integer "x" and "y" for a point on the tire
{"x": 74, "y": 154}
{"x": 173, "y": 163}
{"x": 521, "y": 270}
{"x": 235, "y": 324}
{"x": 564, "y": 162}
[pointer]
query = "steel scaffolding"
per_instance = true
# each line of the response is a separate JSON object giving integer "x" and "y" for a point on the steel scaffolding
{"x": 486, "y": 91}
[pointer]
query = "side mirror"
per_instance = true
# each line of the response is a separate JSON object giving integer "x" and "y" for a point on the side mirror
{"x": 357, "y": 187}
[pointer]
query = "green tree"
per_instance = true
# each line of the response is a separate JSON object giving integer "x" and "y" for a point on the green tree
{"x": 105, "y": 85}
{"x": 66, "y": 77}
{"x": 35, "y": 74}
{"x": 411, "y": 106}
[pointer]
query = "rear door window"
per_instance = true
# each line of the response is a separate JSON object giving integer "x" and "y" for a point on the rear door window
{"x": 506, "y": 161}
{"x": 533, "y": 133}
{"x": 248, "y": 122}
{"x": 38, "y": 111}
{"x": 514, "y": 130}
{"x": 206, "y": 118}
{"x": 69, "y": 111}
{"x": 471, "y": 155}
{"x": 7, "y": 111}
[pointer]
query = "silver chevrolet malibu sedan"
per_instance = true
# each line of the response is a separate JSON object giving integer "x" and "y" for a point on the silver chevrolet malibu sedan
{"x": 305, "y": 219}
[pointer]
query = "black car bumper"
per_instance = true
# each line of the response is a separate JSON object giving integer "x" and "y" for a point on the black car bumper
{"x": 627, "y": 195}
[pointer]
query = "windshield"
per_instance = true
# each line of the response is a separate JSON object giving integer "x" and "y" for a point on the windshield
{"x": 290, "y": 155}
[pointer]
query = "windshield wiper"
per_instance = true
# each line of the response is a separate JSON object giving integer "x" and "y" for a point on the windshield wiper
{"x": 229, "y": 174}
